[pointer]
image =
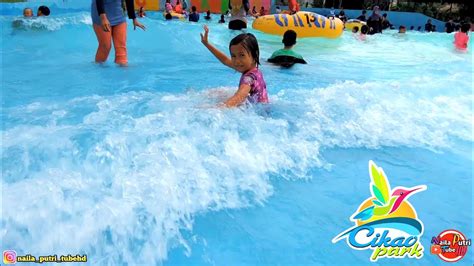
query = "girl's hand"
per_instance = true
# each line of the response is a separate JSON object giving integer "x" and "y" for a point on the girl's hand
{"x": 204, "y": 38}
{"x": 105, "y": 22}
{"x": 136, "y": 24}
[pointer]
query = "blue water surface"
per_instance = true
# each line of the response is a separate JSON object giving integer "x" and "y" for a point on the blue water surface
{"x": 136, "y": 166}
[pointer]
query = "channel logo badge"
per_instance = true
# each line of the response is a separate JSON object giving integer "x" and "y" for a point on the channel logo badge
{"x": 9, "y": 257}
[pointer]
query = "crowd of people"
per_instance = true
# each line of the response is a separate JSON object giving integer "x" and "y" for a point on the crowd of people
{"x": 244, "y": 49}
{"x": 377, "y": 23}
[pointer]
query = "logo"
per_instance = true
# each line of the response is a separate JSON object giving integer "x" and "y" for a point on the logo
{"x": 9, "y": 257}
{"x": 386, "y": 222}
{"x": 450, "y": 245}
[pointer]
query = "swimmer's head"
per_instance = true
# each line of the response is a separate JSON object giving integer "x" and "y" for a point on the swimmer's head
{"x": 43, "y": 11}
{"x": 289, "y": 38}
{"x": 465, "y": 27}
{"x": 244, "y": 52}
{"x": 402, "y": 29}
{"x": 27, "y": 12}
{"x": 376, "y": 10}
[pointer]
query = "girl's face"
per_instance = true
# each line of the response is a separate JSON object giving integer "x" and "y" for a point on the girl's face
{"x": 241, "y": 59}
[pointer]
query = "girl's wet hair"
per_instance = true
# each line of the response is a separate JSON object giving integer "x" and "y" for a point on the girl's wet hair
{"x": 250, "y": 44}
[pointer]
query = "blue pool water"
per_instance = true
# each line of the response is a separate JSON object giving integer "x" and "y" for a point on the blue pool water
{"x": 130, "y": 166}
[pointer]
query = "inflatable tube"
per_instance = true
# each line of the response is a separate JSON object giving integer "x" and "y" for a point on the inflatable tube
{"x": 175, "y": 15}
{"x": 305, "y": 24}
{"x": 286, "y": 58}
{"x": 351, "y": 23}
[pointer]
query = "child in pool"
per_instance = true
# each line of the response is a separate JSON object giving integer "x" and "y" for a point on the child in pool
{"x": 43, "y": 11}
{"x": 194, "y": 16}
{"x": 178, "y": 8}
{"x": 286, "y": 57}
{"x": 28, "y": 12}
{"x": 363, "y": 32}
{"x": 208, "y": 15}
{"x": 222, "y": 20}
{"x": 402, "y": 29}
{"x": 245, "y": 59}
{"x": 461, "y": 38}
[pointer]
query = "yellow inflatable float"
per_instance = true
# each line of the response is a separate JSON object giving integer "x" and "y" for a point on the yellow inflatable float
{"x": 175, "y": 15}
{"x": 305, "y": 24}
{"x": 351, "y": 23}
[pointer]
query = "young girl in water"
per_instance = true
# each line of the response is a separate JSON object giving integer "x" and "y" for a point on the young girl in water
{"x": 245, "y": 54}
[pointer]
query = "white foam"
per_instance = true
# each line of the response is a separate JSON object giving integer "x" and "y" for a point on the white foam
{"x": 52, "y": 23}
{"x": 139, "y": 166}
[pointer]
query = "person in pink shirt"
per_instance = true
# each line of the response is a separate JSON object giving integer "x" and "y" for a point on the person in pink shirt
{"x": 461, "y": 38}
{"x": 168, "y": 6}
{"x": 245, "y": 59}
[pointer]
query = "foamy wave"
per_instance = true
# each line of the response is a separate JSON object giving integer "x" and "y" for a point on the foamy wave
{"x": 51, "y": 23}
{"x": 122, "y": 175}
{"x": 137, "y": 170}
{"x": 372, "y": 115}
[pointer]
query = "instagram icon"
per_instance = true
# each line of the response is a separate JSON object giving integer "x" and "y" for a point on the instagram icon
{"x": 9, "y": 257}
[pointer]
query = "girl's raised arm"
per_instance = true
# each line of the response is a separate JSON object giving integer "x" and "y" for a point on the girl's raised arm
{"x": 216, "y": 52}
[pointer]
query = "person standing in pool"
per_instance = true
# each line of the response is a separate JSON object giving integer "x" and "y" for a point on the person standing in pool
{"x": 363, "y": 16}
{"x": 428, "y": 26}
{"x": 286, "y": 57}
{"x": 238, "y": 11}
{"x": 375, "y": 21}
{"x": 208, "y": 15}
{"x": 461, "y": 38}
{"x": 245, "y": 59}
{"x": 194, "y": 15}
{"x": 168, "y": 6}
{"x": 449, "y": 26}
{"x": 386, "y": 23}
{"x": 222, "y": 20}
{"x": 110, "y": 25}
